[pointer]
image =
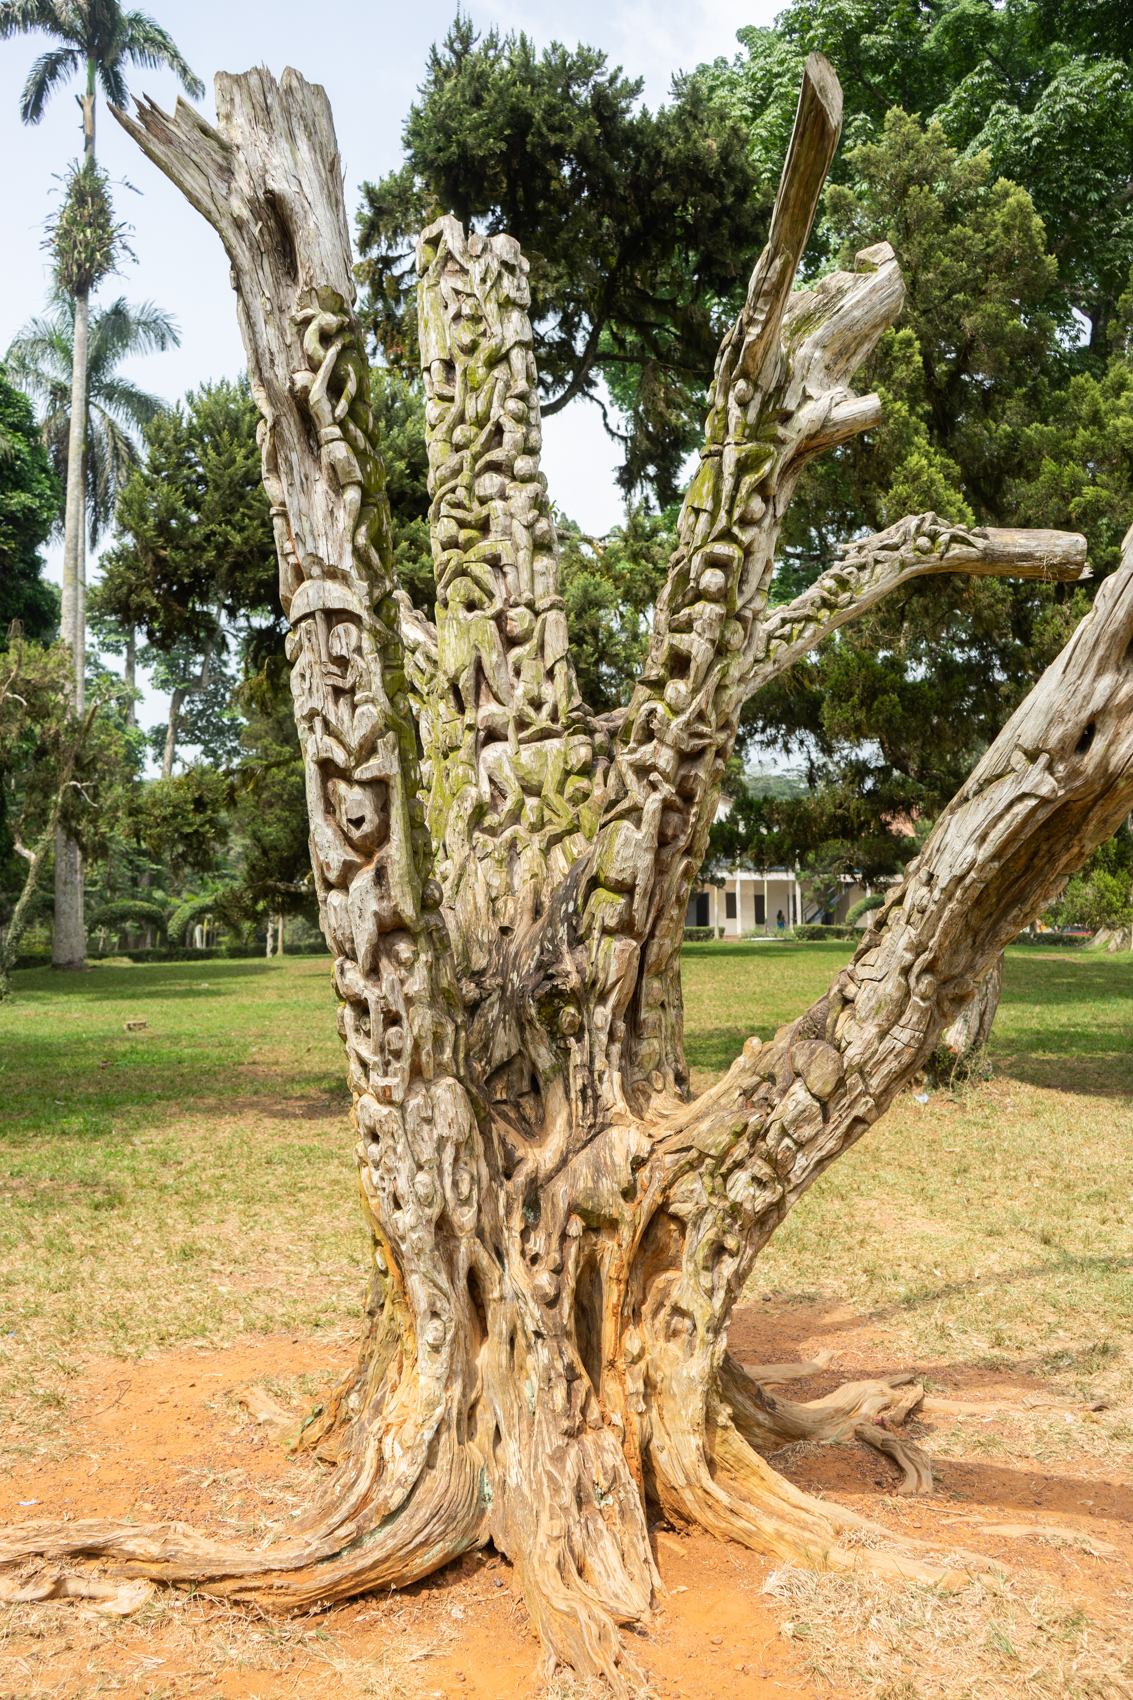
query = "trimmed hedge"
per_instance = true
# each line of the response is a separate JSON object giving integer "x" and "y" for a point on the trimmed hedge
{"x": 811, "y": 931}
{"x": 1071, "y": 941}
{"x": 701, "y": 935}
{"x": 213, "y": 952}
{"x": 177, "y": 953}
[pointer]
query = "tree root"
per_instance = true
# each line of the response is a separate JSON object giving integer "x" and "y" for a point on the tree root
{"x": 717, "y": 1479}
{"x": 357, "y": 1544}
{"x": 915, "y": 1462}
{"x": 767, "y": 1421}
{"x": 771, "y": 1375}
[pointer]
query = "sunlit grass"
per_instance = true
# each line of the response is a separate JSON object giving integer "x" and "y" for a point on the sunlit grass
{"x": 994, "y": 1226}
{"x": 194, "y": 1180}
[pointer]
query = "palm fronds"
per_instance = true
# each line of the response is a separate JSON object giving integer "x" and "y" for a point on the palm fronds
{"x": 39, "y": 363}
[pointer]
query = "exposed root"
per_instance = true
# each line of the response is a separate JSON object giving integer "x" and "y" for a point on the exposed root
{"x": 713, "y": 1475}
{"x": 363, "y": 1542}
{"x": 570, "y": 1515}
{"x": 119, "y": 1599}
{"x": 915, "y": 1463}
{"x": 771, "y": 1375}
{"x": 767, "y": 1421}
{"x": 576, "y": 1629}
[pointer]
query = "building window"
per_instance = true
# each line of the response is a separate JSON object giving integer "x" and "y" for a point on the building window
{"x": 760, "y": 909}
{"x": 702, "y": 910}
{"x": 729, "y": 906}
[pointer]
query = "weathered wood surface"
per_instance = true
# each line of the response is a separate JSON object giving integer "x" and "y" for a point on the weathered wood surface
{"x": 559, "y": 1236}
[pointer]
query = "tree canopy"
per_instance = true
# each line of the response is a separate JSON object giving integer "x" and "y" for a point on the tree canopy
{"x": 39, "y": 361}
{"x": 29, "y": 502}
{"x": 1043, "y": 86}
{"x": 640, "y": 227}
{"x": 991, "y": 146}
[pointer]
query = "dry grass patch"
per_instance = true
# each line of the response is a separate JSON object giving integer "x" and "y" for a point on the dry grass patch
{"x": 177, "y": 1644}
{"x": 989, "y": 1226}
{"x": 995, "y": 1640}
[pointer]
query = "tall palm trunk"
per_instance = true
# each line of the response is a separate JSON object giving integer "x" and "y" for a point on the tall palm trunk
{"x": 69, "y": 947}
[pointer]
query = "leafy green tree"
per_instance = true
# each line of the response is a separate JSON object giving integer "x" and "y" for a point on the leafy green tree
{"x": 974, "y": 354}
{"x": 399, "y": 413}
{"x": 96, "y": 38}
{"x": 62, "y": 772}
{"x": 1008, "y": 204}
{"x": 1100, "y": 896}
{"x": 1042, "y": 86}
{"x": 609, "y": 586}
{"x": 640, "y": 227}
{"x": 195, "y": 565}
{"x": 985, "y": 421}
{"x": 202, "y": 712}
{"x": 269, "y": 816}
{"x": 196, "y": 544}
{"x": 29, "y": 499}
{"x": 852, "y": 815}
{"x": 183, "y": 820}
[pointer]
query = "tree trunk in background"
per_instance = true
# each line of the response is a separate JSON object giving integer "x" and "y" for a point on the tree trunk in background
{"x": 68, "y": 949}
{"x": 558, "y": 1234}
{"x": 177, "y": 699}
{"x": 129, "y": 672}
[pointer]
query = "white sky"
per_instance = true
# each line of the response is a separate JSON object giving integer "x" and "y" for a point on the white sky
{"x": 371, "y": 60}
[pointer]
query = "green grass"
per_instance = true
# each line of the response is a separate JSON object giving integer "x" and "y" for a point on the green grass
{"x": 192, "y": 1180}
{"x": 195, "y": 1181}
{"x": 993, "y": 1227}
{"x": 734, "y": 990}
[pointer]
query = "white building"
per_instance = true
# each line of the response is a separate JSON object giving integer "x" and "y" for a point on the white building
{"x": 767, "y": 900}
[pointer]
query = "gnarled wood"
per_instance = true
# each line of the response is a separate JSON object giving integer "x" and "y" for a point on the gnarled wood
{"x": 559, "y": 1236}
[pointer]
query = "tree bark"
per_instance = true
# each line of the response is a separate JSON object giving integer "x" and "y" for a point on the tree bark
{"x": 559, "y": 1236}
{"x": 129, "y": 674}
{"x": 177, "y": 698}
{"x": 68, "y": 949}
{"x": 73, "y": 512}
{"x": 51, "y": 835}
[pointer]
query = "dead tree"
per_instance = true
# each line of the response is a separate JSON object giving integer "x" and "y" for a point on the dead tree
{"x": 559, "y": 1234}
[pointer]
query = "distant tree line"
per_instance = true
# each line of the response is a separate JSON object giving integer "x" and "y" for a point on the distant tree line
{"x": 991, "y": 145}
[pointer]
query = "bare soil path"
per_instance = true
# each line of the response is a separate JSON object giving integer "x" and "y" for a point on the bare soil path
{"x": 163, "y": 1439}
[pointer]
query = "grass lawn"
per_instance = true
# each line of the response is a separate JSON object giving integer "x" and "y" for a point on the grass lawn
{"x": 193, "y": 1180}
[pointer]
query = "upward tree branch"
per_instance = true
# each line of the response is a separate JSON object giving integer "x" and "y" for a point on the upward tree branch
{"x": 269, "y": 181}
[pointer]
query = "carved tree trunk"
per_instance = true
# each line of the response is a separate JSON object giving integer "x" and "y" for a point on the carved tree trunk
{"x": 559, "y": 1235}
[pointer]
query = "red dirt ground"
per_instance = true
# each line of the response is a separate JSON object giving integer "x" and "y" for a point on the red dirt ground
{"x": 160, "y": 1440}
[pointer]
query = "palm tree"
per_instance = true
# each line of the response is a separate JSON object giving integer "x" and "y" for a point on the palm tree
{"x": 99, "y": 37}
{"x": 102, "y": 38}
{"x": 39, "y": 362}
{"x": 95, "y": 35}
